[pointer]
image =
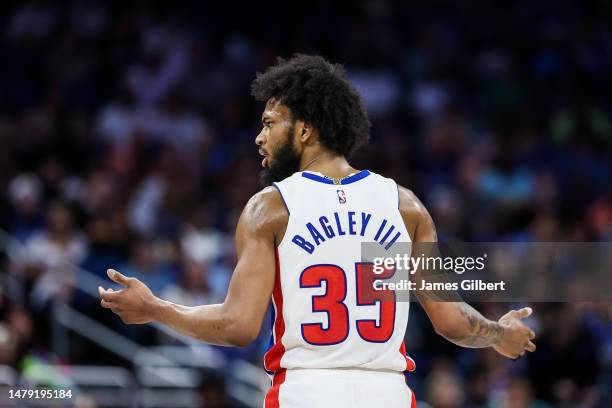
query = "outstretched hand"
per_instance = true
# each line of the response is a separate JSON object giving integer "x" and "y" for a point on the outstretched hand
{"x": 517, "y": 337}
{"x": 133, "y": 303}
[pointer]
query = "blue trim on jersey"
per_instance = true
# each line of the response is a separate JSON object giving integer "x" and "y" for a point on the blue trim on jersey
{"x": 355, "y": 177}
{"x": 348, "y": 180}
{"x": 316, "y": 177}
{"x": 283, "y": 198}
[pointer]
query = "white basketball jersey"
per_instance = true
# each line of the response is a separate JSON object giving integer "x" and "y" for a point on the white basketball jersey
{"x": 321, "y": 321}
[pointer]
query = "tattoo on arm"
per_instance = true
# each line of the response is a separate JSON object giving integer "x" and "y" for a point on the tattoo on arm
{"x": 482, "y": 332}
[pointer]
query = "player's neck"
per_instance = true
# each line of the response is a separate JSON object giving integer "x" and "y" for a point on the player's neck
{"x": 327, "y": 163}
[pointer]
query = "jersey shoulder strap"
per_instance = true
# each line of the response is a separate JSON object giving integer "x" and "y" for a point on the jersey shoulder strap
{"x": 388, "y": 187}
{"x": 288, "y": 189}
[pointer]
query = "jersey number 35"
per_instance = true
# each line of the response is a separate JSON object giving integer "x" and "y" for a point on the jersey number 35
{"x": 332, "y": 303}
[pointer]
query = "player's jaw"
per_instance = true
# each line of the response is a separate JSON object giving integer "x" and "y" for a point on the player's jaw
{"x": 280, "y": 164}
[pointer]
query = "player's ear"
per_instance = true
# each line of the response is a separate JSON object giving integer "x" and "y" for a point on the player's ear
{"x": 306, "y": 132}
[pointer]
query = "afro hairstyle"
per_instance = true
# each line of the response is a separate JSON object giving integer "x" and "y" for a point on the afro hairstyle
{"x": 317, "y": 92}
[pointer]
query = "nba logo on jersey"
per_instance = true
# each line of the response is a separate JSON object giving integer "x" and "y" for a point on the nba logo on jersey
{"x": 341, "y": 196}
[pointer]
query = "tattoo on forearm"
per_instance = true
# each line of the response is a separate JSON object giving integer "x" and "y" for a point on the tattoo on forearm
{"x": 483, "y": 332}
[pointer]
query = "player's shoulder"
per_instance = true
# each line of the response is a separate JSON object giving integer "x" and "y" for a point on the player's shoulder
{"x": 266, "y": 209}
{"x": 411, "y": 208}
{"x": 266, "y": 202}
{"x": 408, "y": 201}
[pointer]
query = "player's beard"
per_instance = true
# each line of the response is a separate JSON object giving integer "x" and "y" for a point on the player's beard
{"x": 286, "y": 162}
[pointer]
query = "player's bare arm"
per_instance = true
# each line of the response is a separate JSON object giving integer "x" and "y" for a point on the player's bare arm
{"x": 236, "y": 321}
{"x": 457, "y": 321}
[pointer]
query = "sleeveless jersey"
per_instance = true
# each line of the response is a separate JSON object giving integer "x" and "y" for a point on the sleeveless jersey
{"x": 320, "y": 319}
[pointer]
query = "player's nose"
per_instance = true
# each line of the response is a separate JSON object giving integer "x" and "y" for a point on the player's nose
{"x": 259, "y": 140}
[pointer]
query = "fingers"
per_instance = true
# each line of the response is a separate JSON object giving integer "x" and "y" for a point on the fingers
{"x": 118, "y": 277}
{"x": 106, "y": 304}
{"x": 108, "y": 295}
{"x": 531, "y": 334}
{"x": 531, "y": 347}
{"x": 523, "y": 313}
{"x": 108, "y": 300}
{"x": 111, "y": 305}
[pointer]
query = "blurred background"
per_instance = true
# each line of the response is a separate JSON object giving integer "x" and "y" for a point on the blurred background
{"x": 127, "y": 140}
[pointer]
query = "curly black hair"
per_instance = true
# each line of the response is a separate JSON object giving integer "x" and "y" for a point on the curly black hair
{"x": 317, "y": 92}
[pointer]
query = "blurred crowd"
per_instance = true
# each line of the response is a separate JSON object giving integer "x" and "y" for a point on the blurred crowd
{"x": 127, "y": 140}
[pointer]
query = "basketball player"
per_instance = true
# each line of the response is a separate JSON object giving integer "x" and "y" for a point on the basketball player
{"x": 298, "y": 243}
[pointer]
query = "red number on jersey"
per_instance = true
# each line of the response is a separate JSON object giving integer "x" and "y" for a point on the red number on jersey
{"x": 368, "y": 329}
{"x": 330, "y": 303}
